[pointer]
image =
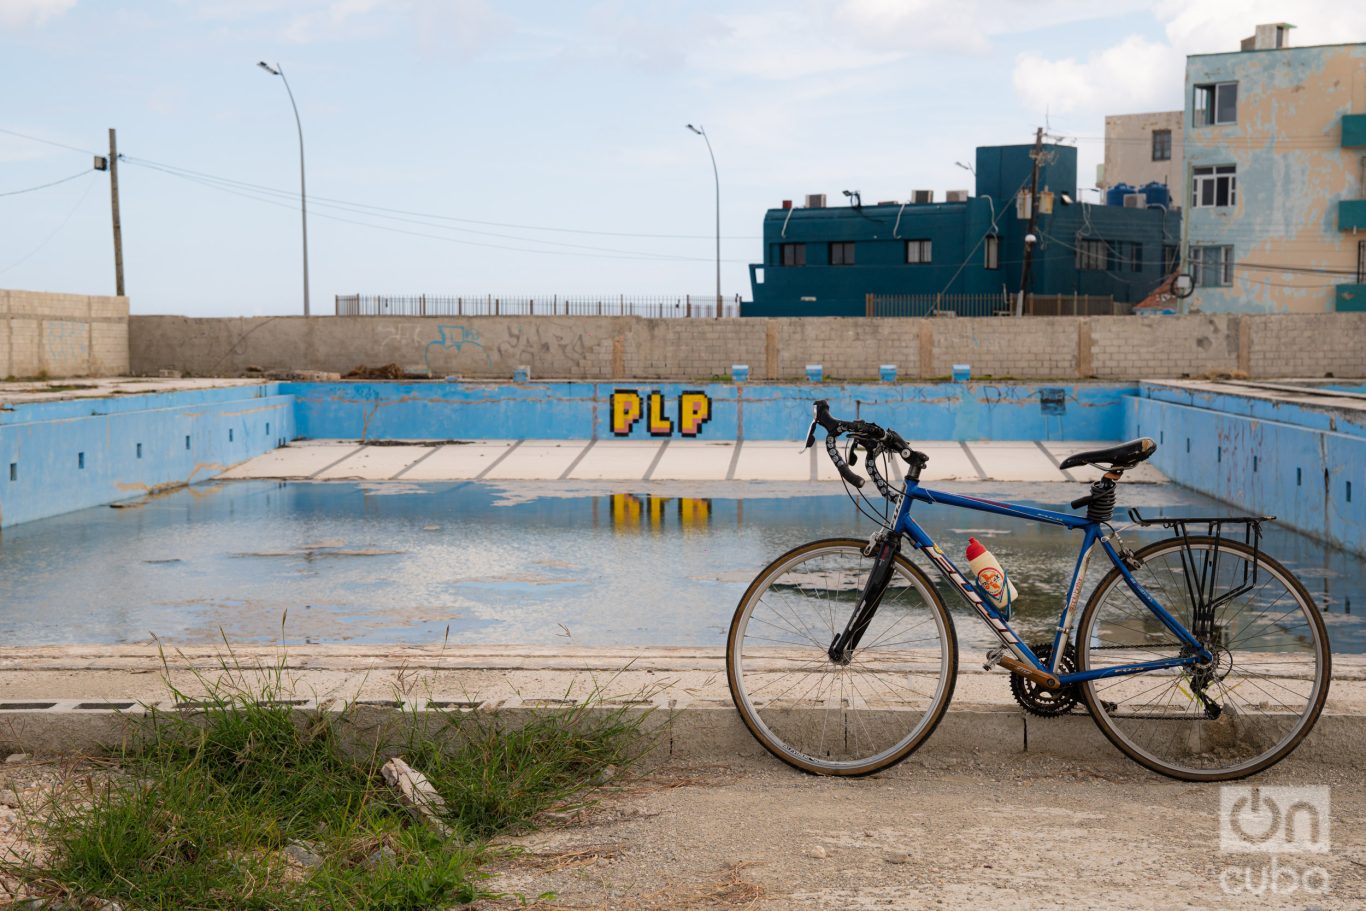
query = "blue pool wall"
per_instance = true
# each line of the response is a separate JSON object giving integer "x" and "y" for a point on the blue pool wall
{"x": 579, "y": 411}
{"x": 57, "y": 457}
{"x": 1303, "y": 464}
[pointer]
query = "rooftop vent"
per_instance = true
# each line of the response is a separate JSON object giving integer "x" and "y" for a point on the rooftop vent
{"x": 815, "y": 200}
{"x": 889, "y": 202}
{"x": 922, "y": 197}
{"x": 1269, "y": 37}
{"x": 956, "y": 196}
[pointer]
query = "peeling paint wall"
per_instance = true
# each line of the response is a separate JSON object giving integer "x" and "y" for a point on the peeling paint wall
{"x": 1292, "y": 172}
{"x": 1305, "y": 466}
{"x": 57, "y": 457}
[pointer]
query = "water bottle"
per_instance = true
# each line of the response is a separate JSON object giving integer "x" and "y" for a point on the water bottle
{"x": 991, "y": 577}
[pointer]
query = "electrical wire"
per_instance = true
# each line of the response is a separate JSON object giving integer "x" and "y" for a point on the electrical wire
{"x": 369, "y": 208}
{"x": 48, "y": 142}
{"x": 636, "y": 256}
{"x": 55, "y": 231}
{"x": 44, "y": 186}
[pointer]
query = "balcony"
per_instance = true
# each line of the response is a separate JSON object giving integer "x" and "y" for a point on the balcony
{"x": 1351, "y": 298}
{"x": 1351, "y": 214}
{"x": 1353, "y": 131}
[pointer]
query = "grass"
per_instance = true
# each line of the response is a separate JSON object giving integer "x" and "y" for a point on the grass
{"x": 245, "y": 802}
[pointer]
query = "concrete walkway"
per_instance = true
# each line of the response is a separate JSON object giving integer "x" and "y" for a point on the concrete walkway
{"x": 651, "y": 460}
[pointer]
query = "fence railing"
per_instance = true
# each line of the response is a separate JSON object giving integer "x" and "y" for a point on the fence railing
{"x": 895, "y": 305}
{"x": 702, "y": 306}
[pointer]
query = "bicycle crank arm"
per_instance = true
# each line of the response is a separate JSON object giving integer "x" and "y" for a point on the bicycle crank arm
{"x": 1030, "y": 672}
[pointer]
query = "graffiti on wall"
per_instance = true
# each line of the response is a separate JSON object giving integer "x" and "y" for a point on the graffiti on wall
{"x": 631, "y": 406}
{"x": 454, "y": 338}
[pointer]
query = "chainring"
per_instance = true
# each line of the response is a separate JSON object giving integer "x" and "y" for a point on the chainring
{"x": 1038, "y": 699}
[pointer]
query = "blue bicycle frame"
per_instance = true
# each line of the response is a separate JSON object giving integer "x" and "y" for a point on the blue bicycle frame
{"x": 905, "y": 525}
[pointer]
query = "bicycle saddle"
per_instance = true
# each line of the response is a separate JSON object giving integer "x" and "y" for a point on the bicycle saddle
{"x": 1125, "y": 455}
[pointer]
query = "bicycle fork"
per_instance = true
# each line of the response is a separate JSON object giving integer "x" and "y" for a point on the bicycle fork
{"x": 843, "y": 645}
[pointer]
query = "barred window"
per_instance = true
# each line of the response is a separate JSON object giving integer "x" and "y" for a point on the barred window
{"x": 1212, "y": 267}
{"x": 1093, "y": 255}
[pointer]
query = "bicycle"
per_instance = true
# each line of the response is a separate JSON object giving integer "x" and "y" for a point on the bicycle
{"x": 842, "y": 656}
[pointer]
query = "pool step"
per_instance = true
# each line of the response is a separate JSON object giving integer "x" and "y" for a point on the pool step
{"x": 639, "y": 460}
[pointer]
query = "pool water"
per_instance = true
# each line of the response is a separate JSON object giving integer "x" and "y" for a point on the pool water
{"x": 591, "y": 564}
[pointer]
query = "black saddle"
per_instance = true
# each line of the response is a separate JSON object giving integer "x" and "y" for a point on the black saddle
{"x": 1121, "y": 457}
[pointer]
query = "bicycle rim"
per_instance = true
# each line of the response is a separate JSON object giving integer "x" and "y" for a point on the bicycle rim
{"x": 825, "y": 717}
{"x": 1267, "y": 683}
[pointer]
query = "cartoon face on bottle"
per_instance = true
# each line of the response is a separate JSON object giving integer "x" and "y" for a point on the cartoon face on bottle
{"x": 992, "y": 581}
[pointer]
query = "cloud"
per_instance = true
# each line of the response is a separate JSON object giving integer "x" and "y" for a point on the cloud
{"x": 20, "y": 14}
{"x": 1133, "y": 75}
{"x": 1136, "y": 74}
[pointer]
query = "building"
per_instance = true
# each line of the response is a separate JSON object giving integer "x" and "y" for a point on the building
{"x": 1275, "y": 147}
{"x": 964, "y": 254}
{"x": 1142, "y": 149}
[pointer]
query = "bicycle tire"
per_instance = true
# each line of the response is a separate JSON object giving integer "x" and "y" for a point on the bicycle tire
{"x": 1184, "y": 742}
{"x": 752, "y": 661}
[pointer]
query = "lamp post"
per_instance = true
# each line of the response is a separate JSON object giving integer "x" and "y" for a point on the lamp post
{"x": 700, "y": 131}
{"x": 278, "y": 70}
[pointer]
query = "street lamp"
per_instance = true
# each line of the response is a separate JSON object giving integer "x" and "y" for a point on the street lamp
{"x": 703, "y": 133}
{"x": 278, "y": 70}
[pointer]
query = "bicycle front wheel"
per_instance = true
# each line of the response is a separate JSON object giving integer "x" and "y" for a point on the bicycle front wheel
{"x": 828, "y": 717}
{"x": 1245, "y": 711}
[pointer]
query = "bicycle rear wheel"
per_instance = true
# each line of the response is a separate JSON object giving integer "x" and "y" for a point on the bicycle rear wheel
{"x": 826, "y": 717}
{"x": 1251, "y": 706}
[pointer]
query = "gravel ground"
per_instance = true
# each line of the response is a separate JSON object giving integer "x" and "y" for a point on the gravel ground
{"x": 938, "y": 833}
{"x": 927, "y": 834}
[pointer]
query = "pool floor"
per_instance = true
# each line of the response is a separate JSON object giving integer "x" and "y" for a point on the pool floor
{"x": 591, "y": 564}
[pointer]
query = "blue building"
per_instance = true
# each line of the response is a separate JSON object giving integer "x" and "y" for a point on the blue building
{"x": 826, "y": 261}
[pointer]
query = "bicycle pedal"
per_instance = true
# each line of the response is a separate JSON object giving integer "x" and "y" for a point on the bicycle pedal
{"x": 994, "y": 658}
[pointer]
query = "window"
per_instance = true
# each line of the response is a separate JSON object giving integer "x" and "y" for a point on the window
{"x": 1214, "y": 186}
{"x": 1361, "y": 262}
{"x": 1135, "y": 257}
{"x": 918, "y": 252}
{"x": 1212, "y": 267}
{"x": 1093, "y": 255}
{"x": 1171, "y": 258}
{"x": 794, "y": 254}
{"x": 1162, "y": 145}
{"x": 1216, "y": 103}
{"x": 842, "y": 253}
{"x": 992, "y": 257}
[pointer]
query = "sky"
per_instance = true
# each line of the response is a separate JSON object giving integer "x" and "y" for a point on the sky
{"x": 466, "y": 147}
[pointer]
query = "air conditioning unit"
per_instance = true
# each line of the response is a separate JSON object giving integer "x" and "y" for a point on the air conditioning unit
{"x": 889, "y": 202}
{"x": 922, "y": 197}
{"x": 956, "y": 196}
{"x": 1135, "y": 200}
{"x": 815, "y": 200}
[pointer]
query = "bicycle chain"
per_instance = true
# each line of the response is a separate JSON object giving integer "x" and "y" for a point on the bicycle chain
{"x": 1039, "y": 700}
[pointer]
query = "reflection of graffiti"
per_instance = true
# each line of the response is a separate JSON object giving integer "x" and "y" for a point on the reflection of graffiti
{"x": 630, "y": 512}
{"x": 628, "y": 406}
{"x": 454, "y": 338}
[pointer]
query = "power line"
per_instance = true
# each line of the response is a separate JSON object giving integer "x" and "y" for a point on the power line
{"x": 55, "y": 231}
{"x": 49, "y": 142}
{"x": 471, "y": 221}
{"x": 44, "y": 186}
{"x": 626, "y": 255}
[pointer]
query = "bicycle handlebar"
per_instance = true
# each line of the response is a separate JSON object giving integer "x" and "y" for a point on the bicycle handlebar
{"x": 873, "y": 439}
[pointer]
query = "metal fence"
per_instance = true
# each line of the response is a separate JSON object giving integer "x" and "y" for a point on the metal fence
{"x": 703, "y": 306}
{"x": 993, "y": 305}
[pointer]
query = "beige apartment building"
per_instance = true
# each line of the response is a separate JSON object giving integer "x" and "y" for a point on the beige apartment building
{"x": 1141, "y": 148}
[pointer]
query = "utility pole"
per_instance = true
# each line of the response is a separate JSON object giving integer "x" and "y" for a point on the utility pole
{"x": 114, "y": 209}
{"x": 1025, "y": 270}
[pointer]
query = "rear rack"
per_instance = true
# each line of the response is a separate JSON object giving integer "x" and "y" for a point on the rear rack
{"x": 1202, "y": 573}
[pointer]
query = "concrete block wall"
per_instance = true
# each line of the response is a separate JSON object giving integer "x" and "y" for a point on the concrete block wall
{"x": 62, "y": 335}
{"x": 606, "y": 348}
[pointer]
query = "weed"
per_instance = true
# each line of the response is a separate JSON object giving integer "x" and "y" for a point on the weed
{"x": 239, "y": 799}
